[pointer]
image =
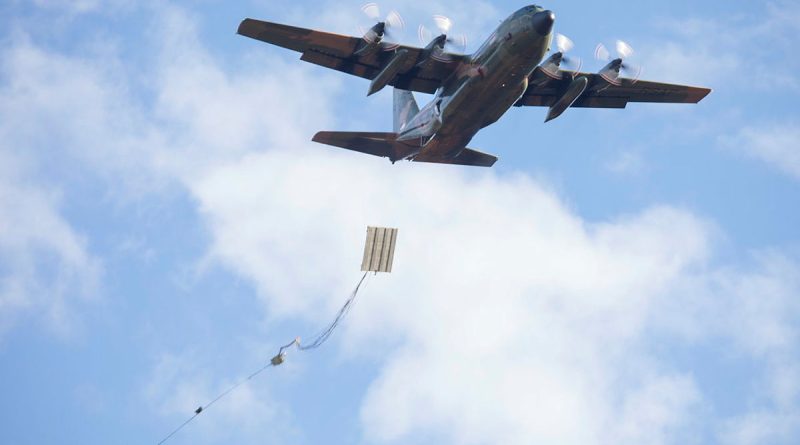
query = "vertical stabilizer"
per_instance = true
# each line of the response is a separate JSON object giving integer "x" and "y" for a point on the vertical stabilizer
{"x": 405, "y": 108}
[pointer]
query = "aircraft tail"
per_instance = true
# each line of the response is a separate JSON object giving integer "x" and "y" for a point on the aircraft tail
{"x": 373, "y": 143}
{"x": 405, "y": 108}
{"x": 386, "y": 145}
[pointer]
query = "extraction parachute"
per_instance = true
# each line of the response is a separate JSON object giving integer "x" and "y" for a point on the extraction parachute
{"x": 378, "y": 257}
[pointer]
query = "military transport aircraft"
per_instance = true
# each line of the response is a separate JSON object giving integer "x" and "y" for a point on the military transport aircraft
{"x": 470, "y": 91}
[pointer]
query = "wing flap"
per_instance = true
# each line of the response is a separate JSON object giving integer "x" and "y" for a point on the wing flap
{"x": 349, "y": 66}
{"x": 656, "y": 92}
{"x": 600, "y": 94}
{"x": 600, "y": 102}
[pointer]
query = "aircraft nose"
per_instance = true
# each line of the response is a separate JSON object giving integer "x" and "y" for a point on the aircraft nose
{"x": 543, "y": 22}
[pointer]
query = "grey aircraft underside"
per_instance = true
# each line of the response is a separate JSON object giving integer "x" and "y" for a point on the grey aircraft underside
{"x": 470, "y": 91}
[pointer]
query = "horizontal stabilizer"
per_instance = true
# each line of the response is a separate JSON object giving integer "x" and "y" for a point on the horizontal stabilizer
{"x": 467, "y": 156}
{"x": 376, "y": 144}
{"x": 386, "y": 145}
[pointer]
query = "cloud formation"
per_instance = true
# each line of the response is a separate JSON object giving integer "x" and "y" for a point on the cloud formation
{"x": 45, "y": 267}
{"x": 509, "y": 317}
{"x": 775, "y": 144}
{"x": 176, "y": 384}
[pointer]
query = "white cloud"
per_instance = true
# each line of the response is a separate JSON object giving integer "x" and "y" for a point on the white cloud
{"x": 691, "y": 62}
{"x": 75, "y": 7}
{"x": 45, "y": 268}
{"x": 738, "y": 55}
{"x": 84, "y": 105}
{"x": 731, "y": 52}
{"x": 627, "y": 163}
{"x": 508, "y": 319}
{"x": 763, "y": 319}
{"x": 764, "y": 316}
{"x": 754, "y": 315}
{"x": 492, "y": 277}
{"x": 777, "y": 144}
{"x": 178, "y": 384}
{"x": 761, "y": 427}
{"x": 475, "y": 19}
{"x": 45, "y": 265}
{"x": 656, "y": 412}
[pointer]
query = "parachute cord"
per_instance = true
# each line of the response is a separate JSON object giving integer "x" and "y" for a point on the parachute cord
{"x": 202, "y": 409}
{"x": 318, "y": 341}
{"x": 323, "y": 336}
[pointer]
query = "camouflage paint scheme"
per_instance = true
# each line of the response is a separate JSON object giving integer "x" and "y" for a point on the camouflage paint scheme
{"x": 470, "y": 91}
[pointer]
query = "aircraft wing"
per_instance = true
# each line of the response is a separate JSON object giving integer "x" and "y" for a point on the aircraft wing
{"x": 544, "y": 91}
{"x": 338, "y": 52}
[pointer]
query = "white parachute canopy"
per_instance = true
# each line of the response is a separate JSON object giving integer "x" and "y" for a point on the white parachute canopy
{"x": 379, "y": 249}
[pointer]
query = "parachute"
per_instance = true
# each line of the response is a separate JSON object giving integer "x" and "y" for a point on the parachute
{"x": 378, "y": 258}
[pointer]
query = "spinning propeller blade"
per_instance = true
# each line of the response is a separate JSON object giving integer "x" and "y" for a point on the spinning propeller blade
{"x": 614, "y": 68}
{"x": 456, "y": 43}
{"x": 552, "y": 66}
{"x": 383, "y": 28}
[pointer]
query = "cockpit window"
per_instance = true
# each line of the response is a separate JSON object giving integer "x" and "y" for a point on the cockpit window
{"x": 527, "y": 10}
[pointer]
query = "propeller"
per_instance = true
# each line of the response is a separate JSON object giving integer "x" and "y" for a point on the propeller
{"x": 612, "y": 70}
{"x": 552, "y": 66}
{"x": 563, "y": 43}
{"x": 385, "y": 27}
{"x": 444, "y": 42}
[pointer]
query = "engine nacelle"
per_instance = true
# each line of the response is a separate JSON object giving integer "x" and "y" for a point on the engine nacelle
{"x": 610, "y": 72}
{"x": 433, "y": 51}
{"x": 574, "y": 91}
{"x": 372, "y": 39}
{"x": 388, "y": 72}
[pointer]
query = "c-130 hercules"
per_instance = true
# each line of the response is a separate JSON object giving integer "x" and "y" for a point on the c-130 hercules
{"x": 470, "y": 91}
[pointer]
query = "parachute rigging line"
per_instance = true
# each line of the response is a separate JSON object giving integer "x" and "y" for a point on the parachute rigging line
{"x": 323, "y": 336}
{"x": 201, "y": 409}
{"x": 318, "y": 341}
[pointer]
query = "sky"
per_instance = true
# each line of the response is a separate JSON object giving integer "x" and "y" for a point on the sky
{"x": 619, "y": 276}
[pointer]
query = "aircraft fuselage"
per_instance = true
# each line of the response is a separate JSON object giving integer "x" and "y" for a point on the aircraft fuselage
{"x": 491, "y": 81}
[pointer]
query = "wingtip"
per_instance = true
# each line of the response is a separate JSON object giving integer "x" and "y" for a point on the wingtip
{"x": 699, "y": 93}
{"x": 243, "y": 25}
{"x": 318, "y": 136}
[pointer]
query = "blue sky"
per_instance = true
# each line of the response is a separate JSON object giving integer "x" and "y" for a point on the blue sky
{"x": 620, "y": 276}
